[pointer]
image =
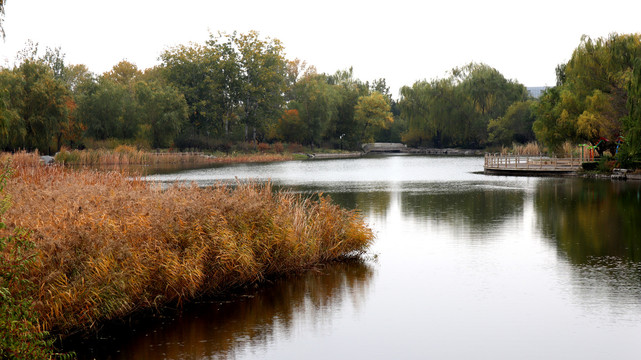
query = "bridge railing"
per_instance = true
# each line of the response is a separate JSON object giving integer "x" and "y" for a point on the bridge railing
{"x": 529, "y": 162}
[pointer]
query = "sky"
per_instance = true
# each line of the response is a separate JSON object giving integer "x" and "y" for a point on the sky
{"x": 403, "y": 41}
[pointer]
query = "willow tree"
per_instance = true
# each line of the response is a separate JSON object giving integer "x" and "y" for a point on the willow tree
{"x": 456, "y": 111}
{"x": 35, "y": 107}
{"x": 437, "y": 113}
{"x": 631, "y": 149}
{"x": 590, "y": 98}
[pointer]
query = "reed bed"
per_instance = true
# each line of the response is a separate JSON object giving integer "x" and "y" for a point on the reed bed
{"x": 531, "y": 149}
{"x": 110, "y": 246}
{"x": 127, "y": 155}
{"x": 568, "y": 149}
{"x": 250, "y": 158}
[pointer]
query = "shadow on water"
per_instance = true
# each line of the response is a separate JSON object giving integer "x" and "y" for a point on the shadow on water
{"x": 218, "y": 328}
{"x": 481, "y": 209}
{"x": 587, "y": 218}
{"x": 596, "y": 225}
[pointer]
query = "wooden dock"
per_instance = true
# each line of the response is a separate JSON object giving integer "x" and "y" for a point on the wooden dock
{"x": 500, "y": 164}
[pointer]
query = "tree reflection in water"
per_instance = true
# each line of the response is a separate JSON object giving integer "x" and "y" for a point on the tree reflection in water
{"x": 589, "y": 219}
{"x": 220, "y": 328}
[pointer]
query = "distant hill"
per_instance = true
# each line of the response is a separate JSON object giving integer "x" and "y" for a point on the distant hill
{"x": 535, "y": 91}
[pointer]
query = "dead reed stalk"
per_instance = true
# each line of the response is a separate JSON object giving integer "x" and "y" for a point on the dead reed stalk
{"x": 531, "y": 149}
{"x": 110, "y": 246}
{"x": 127, "y": 155}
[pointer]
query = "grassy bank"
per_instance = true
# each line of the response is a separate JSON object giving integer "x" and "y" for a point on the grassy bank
{"x": 109, "y": 246}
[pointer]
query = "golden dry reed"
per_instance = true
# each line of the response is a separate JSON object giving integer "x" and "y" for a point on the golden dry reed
{"x": 110, "y": 246}
{"x": 128, "y": 155}
{"x": 529, "y": 149}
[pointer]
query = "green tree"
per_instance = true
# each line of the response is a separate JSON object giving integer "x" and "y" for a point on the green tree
{"x": 315, "y": 101}
{"x": 555, "y": 117}
{"x": 264, "y": 79}
{"x": 413, "y": 105}
{"x": 456, "y": 111}
{"x": 591, "y": 94}
{"x": 11, "y": 99}
{"x": 372, "y": 112}
{"x": 34, "y": 106}
{"x": 124, "y": 73}
{"x": 163, "y": 112}
{"x": 437, "y": 113}
{"x": 230, "y": 77}
{"x": 631, "y": 148}
{"x": 109, "y": 109}
{"x": 491, "y": 95}
{"x": 342, "y": 128}
{"x": 194, "y": 71}
{"x": 291, "y": 128}
{"x": 514, "y": 126}
{"x": 77, "y": 76}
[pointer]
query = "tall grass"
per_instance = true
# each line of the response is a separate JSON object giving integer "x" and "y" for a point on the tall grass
{"x": 110, "y": 246}
{"x": 127, "y": 155}
{"x": 567, "y": 149}
{"x": 531, "y": 149}
{"x": 21, "y": 337}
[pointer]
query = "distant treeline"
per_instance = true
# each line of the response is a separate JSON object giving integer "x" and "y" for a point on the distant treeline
{"x": 240, "y": 87}
{"x": 234, "y": 88}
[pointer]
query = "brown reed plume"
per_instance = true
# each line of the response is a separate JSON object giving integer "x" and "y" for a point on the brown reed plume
{"x": 110, "y": 246}
{"x": 128, "y": 155}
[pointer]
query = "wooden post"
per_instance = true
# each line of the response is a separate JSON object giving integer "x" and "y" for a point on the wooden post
{"x": 540, "y": 160}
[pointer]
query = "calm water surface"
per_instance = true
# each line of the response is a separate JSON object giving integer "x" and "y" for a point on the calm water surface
{"x": 465, "y": 266}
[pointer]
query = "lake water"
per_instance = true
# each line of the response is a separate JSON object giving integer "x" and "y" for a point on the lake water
{"x": 464, "y": 266}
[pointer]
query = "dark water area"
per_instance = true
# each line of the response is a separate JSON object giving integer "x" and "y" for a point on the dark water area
{"x": 464, "y": 266}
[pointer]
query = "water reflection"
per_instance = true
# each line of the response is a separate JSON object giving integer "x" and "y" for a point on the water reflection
{"x": 588, "y": 218}
{"x": 220, "y": 329}
{"x": 481, "y": 209}
{"x": 527, "y": 268}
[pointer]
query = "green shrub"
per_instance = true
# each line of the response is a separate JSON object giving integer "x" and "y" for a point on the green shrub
{"x": 605, "y": 164}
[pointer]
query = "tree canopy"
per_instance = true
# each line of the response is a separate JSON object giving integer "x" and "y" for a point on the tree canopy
{"x": 240, "y": 87}
{"x": 457, "y": 110}
{"x": 589, "y": 101}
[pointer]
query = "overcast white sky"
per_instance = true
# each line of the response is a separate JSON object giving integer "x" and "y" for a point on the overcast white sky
{"x": 401, "y": 40}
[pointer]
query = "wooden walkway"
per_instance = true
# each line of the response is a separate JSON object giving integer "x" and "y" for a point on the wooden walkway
{"x": 530, "y": 165}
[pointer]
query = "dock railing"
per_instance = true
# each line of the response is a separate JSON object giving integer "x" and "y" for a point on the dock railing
{"x": 531, "y": 163}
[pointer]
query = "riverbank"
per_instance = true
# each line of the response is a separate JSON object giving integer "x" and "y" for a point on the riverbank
{"x": 127, "y": 155}
{"x": 109, "y": 246}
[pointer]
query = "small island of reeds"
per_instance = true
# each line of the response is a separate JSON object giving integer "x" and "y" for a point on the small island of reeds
{"x": 106, "y": 245}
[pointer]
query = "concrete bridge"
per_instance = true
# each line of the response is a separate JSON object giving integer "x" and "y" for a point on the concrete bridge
{"x": 385, "y": 148}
